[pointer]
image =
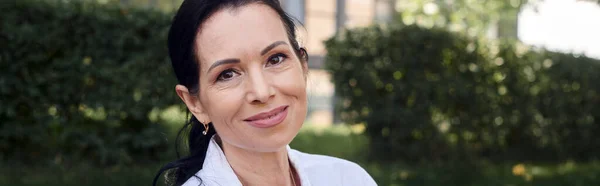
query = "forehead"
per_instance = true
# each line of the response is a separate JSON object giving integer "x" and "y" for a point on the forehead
{"x": 234, "y": 32}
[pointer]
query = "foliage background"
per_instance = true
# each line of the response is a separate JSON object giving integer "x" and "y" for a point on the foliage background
{"x": 86, "y": 97}
{"x": 82, "y": 79}
{"x": 433, "y": 95}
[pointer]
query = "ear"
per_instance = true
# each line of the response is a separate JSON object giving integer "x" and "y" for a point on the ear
{"x": 304, "y": 60}
{"x": 193, "y": 103}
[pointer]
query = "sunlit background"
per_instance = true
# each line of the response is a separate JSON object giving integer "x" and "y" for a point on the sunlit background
{"x": 418, "y": 92}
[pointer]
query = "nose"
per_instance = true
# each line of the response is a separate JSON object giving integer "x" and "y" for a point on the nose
{"x": 259, "y": 88}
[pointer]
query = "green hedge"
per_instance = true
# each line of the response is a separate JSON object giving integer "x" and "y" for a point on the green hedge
{"x": 433, "y": 95}
{"x": 81, "y": 79}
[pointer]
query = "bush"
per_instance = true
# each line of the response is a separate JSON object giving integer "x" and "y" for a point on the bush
{"x": 429, "y": 94}
{"x": 81, "y": 79}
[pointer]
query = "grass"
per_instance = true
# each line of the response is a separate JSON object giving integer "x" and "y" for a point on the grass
{"x": 488, "y": 174}
{"x": 394, "y": 175}
{"x": 340, "y": 141}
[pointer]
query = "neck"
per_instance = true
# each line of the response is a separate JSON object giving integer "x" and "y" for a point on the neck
{"x": 259, "y": 168}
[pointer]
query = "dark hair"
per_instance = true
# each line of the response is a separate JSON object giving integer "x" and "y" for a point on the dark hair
{"x": 181, "y": 43}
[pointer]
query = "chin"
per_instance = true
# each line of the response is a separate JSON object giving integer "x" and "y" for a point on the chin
{"x": 275, "y": 141}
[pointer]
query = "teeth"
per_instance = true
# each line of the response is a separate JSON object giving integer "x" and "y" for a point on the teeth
{"x": 271, "y": 116}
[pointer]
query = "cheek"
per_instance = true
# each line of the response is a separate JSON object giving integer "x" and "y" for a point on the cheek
{"x": 292, "y": 88}
{"x": 292, "y": 83}
{"x": 223, "y": 105}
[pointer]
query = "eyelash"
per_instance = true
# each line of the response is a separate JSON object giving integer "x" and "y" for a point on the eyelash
{"x": 278, "y": 55}
{"x": 283, "y": 56}
{"x": 220, "y": 77}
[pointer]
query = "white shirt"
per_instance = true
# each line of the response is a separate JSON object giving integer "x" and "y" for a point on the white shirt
{"x": 313, "y": 170}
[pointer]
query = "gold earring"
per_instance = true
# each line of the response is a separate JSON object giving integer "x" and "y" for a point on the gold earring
{"x": 206, "y": 127}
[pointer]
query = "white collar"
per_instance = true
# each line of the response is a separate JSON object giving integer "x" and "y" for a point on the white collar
{"x": 217, "y": 171}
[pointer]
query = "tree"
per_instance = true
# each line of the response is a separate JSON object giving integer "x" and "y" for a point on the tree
{"x": 494, "y": 18}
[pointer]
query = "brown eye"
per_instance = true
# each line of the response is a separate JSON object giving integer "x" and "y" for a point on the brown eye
{"x": 276, "y": 59}
{"x": 226, "y": 75}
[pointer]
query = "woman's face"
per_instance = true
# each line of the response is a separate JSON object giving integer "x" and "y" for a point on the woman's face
{"x": 252, "y": 85}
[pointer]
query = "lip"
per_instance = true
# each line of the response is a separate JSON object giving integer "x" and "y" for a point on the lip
{"x": 269, "y": 118}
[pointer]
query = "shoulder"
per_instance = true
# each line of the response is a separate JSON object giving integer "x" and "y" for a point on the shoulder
{"x": 317, "y": 166}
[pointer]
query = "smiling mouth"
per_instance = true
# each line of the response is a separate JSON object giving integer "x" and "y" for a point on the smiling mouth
{"x": 268, "y": 119}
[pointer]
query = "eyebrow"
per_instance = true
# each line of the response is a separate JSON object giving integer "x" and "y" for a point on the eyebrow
{"x": 271, "y": 46}
{"x": 235, "y": 60}
{"x": 223, "y": 62}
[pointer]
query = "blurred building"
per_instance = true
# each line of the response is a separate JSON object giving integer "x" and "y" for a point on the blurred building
{"x": 321, "y": 19}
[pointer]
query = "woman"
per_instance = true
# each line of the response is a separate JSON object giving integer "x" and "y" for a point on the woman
{"x": 242, "y": 76}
